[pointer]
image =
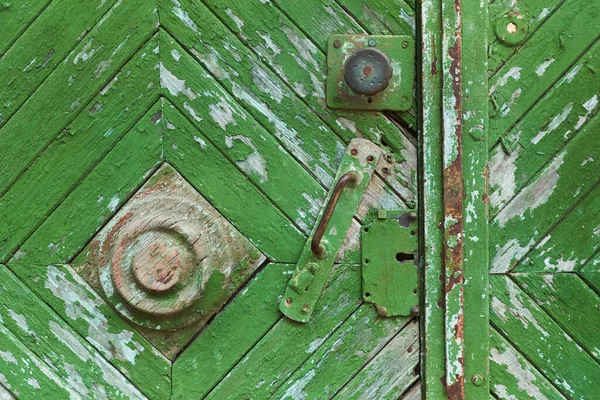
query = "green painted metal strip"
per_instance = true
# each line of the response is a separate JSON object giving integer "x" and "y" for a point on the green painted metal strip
{"x": 431, "y": 239}
{"x": 475, "y": 207}
{"x": 312, "y": 270}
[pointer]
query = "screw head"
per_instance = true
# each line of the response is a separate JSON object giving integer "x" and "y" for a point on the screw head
{"x": 354, "y": 152}
{"x": 337, "y": 43}
{"x": 305, "y": 308}
{"x": 404, "y": 44}
{"x": 477, "y": 379}
{"x": 370, "y": 158}
{"x": 372, "y": 43}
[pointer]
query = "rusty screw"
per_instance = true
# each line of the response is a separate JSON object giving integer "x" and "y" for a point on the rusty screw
{"x": 288, "y": 301}
{"x": 305, "y": 308}
{"x": 370, "y": 158}
{"x": 354, "y": 152}
{"x": 337, "y": 43}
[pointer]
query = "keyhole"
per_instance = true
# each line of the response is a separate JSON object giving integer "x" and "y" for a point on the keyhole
{"x": 401, "y": 257}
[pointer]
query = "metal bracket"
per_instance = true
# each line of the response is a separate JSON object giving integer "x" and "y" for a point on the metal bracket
{"x": 370, "y": 72}
{"x": 390, "y": 265}
{"x": 318, "y": 256}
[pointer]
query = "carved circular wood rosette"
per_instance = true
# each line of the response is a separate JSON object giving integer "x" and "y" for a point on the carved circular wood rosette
{"x": 168, "y": 258}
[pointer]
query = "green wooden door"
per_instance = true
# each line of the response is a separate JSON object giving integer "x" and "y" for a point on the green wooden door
{"x": 162, "y": 164}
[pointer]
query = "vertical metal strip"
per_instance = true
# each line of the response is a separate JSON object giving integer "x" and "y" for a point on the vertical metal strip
{"x": 430, "y": 196}
{"x": 452, "y": 127}
{"x": 454, "y": 198}
{"x": 475, "y": 224}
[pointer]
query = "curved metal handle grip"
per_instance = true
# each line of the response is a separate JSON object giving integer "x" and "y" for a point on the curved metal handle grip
{"x": 349, "y": 178}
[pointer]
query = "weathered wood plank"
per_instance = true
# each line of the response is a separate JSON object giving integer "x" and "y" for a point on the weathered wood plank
{"x": 15, "y": 18}
{"x": 356, "y": 342}
{"x": 231, "y": 334}
{"x": 570, "y": 302}
{"x": 87, "y": 313}
{"x": 238, "y": 136}
{"x": 289, "y": 344}
{"x": 513, "y": 377}
{"x": 80, "y": 146}
{"x": 555, "y": 190}
{"x": 591, "y": 272}
{"x": 83, "y": 73}
{"x": 554, "y": 120}
{"x": 391, "y": 372}
{"x": 307, "y": 132}
{"x": 99, "y": 194}
{"x": 51, "y": 339}
{"x": 208, "y": 171}
{"x": 541, "y": 61}
{"x": 27, "y": 375}
{"x": 535, "y": 335}
{"x": 382, "y": 17}
{"x": 42, "y": 47}
{"x": 569, "y": 245}
{"x": 414, "y": 393}
{"x": 535, "y": 12}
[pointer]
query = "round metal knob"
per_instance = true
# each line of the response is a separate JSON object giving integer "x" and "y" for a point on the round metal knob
{"x": 368, "y": 71}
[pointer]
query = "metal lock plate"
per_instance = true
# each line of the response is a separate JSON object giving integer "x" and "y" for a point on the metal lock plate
{"x": 370, "y": 72}
{"x": 390, "y": 276}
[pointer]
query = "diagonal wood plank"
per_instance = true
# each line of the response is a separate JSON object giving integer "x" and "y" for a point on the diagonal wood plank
{"x": 512, "y": 376}
{"x": 93, "y": 319}
{"x": 83, "y": 142}
{"x": 571, "y": 243}
{"x": 391, "y": 372}
{"x": 535, "y": 335}
{"x": 382, "y": 17}
{"x": 535, "y": 12}
{"x": 552, "y": 193}
{"x": 100, "y": 193}
{"x": 84, "y": 72}
{"x": 27, "y": 375}
{"x": 63, "y": 350}
{"x": 16, "y": 18}
{"x": 207, "y": 170}
{"x": 350, "y": 349}
{"x": 554, "y": 120}
{"x": 289, "y": 344}
{"x": 570, "y": 302}
{"x": 231, "y": 335}
{"x": 238, "y": 136}
{"x": 42, "y": 48}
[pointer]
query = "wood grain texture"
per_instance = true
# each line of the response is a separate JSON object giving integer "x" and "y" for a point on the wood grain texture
{"x": 534, "y": 334}
{"x": 16, "y": 18}
{"x": 64, "y": 351}
{"x": 512, "y": 376}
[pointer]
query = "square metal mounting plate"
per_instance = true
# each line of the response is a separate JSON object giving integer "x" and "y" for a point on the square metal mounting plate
{"x": 397, "y": 96}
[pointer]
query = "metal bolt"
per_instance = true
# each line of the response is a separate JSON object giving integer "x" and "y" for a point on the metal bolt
{"x": 354, "y": 152}
{"x": 477, "y": 379}
{"x": 404, "y": 44}
{"x": 411, "y": 204}
{"x": 372, "y": 43}
{"x": 370, "y": 158}
{"x": 288, "y": 301}
{"x": 337, "y": 43}
{"x": 385, "y": 170}
{"x": 305, "y": 308}
{"x": 404, "y": 99}
{"x": 476, "y": 133}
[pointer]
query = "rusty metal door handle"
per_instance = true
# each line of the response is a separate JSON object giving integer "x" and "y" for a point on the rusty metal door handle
{"x": 348, "y": 179}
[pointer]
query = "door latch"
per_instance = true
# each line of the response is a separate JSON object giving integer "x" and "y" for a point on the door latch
{"x": 323, "y": 244}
